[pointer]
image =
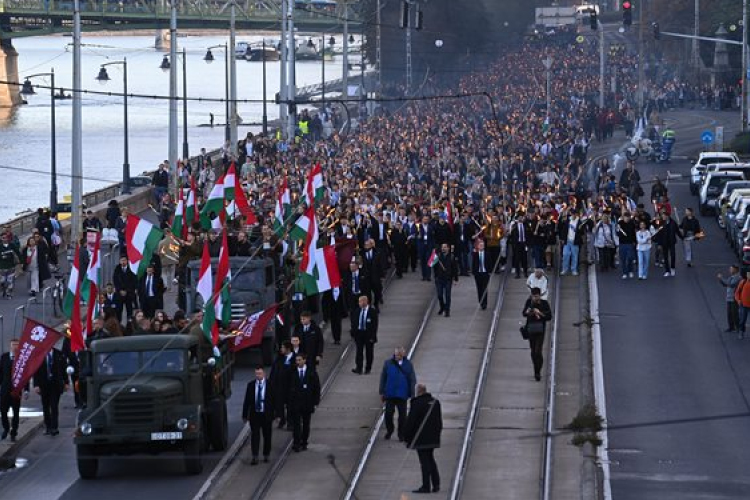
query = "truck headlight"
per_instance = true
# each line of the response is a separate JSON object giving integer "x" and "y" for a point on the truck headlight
{"x": 86, "y": 428}
{"x": 182, "y": 424}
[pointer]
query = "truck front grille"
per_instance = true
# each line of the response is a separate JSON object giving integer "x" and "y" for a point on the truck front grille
{"x": 133, "y": 409}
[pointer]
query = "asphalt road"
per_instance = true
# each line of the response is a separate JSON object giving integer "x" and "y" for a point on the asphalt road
{"x": 676, "y": 385}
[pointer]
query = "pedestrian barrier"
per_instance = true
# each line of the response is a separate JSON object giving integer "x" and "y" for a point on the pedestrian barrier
{"x": 15, "y": 316}
{"x": 45, "y": 293}
{"x": 2, "y": 334}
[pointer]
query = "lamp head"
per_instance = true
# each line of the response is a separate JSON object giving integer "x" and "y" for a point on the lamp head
{"x": 209, "y": 57}
{"x": 102, "y": 77}
{"x": 27, "y": 88}
{"x": 165, "y": 64}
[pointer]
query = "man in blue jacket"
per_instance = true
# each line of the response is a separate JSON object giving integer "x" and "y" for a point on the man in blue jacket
{"x": 397, "y": 381}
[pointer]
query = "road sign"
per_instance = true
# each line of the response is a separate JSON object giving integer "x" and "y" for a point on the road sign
{"x": 707, "y": 137}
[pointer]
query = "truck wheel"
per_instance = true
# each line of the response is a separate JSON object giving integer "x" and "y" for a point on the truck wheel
{"x": 88, "y": 463}
{"x": 218, "y": 427}
{"x": 267, "y": 351}
{"x": 193, "y": 464}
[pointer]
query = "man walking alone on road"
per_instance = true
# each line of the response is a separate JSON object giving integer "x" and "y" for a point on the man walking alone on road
{"x": 481, "y": 271}
{"x": 537, "y": 313}
{"x": 397, "y": 381}
{"x": 446, "y": 272}
{"x": 257, "y": 410}
{"x": 423, "y": 428}
{"x": 730, "y": 284}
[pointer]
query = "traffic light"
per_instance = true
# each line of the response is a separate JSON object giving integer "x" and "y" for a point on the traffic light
{"x": 657, "y": 31}
{"x": 627, "y": 13}
{"x": 593, "y": 19}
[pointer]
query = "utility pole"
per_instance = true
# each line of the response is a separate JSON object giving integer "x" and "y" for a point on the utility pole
{"x": 345, "y": 72}
{"x": 641, "y": 48}
{"x": 408, "y": 48}
{"x": 283, "y": 107}
{"x": 291, "y": 84}
{"x": 173, "y": 92}
{"x": 232, "y": 86}
{"x": 744, "y": 105}
{"x": 377, "y": 46}
{"x": 77, "y": 145}
{"x": 185, "y": 148}
{"x": 696, "y": 32}
{"x": 602, "y": 63}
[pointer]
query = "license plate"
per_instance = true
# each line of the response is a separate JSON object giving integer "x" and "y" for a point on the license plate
{"x": 166, "y": 436}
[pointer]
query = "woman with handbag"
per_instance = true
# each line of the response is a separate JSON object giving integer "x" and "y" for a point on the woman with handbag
{"x": 537, "y": 312}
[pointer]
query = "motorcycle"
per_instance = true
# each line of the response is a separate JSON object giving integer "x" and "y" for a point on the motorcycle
{"x": 640, "y": 146}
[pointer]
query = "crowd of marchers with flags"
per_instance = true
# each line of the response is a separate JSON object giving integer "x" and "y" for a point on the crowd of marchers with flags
{"x": 408, "y": 189}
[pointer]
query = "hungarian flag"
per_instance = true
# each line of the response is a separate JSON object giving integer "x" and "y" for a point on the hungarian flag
{"x": 283, "y": 207}
{"x": 240, "y": 204}
{"x": 191, "y": 210}
{"x": 230, "y": 181}
{"x": 314, "y": 190}
{"x": 141, "y": 238}
{"x": 433, "y": 260}
{"x": 252, "y": 328}
{"x": 91, "y": 286}
{"x": 307, "y": 264}
{"x": 223, "y": 279}
{"x": 74, "y": 284}
{"x": 205, "y": 289}
{"x": 35, "y": 342}
{"x": 301, "y": 226}
{"x": 214, "y": 204}
{"x": 179, "y": 226}
{"x": 326, "y": 273}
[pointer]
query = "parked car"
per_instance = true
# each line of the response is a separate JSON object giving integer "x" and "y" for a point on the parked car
{"x": 723, "y": 201}
{"x": 698, "y": 169}
{"x": 713, "y": 186}
{"x": 736, "y": 222}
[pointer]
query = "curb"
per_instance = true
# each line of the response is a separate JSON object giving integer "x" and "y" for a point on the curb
{"x": 22, "y": 440}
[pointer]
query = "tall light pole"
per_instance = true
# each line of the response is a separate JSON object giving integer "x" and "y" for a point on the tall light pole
{"x": 641, "y": 49}
{"x": 696, "y": 32}
{"x": 209, "y": 58}
{"x": 76, "y": 166}
{"x": 602, "y": 63}
{"x": 265, "y": 95}
{"x": 408, "y": 47}
{"x": 345, "y": 70}
{"x": 744, "y": 105}
{"x": 28, "y": 89}
{"x": 173, "y": 93}
{"x": 290, "y": 72}
{"x": 166, "y": 65}
{"x": 103, "y": 78}
{"x": 283, "y": 107}
{"x": 331, "y": 42}
{"x": 232, "y": 86}
{"x": 377, "y": 45}
{"x": 547, "y": 61}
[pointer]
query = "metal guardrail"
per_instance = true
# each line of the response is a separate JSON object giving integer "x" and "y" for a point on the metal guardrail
{"x": 2, "y": 333}
{"x": 45, "y": 293}
{"x": 21, "y": 308}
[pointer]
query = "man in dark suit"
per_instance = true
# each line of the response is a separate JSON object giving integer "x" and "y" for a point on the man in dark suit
{"x": 446, "y": 272}
{"x": 372, "y": 268}
{"x": 334, "y": 308}
{"x": 365, "y": 335}
{"x": 112, "y": 305}
{"x": 311, "y": 338}
{"x": 423, "y": 428}
{"x": 410, "y": 231}
{"x": 519, "y": 241}
{"x": 126, "y": 286}
{"x": 50, "y": 381}
{"x": 400, "y": 253}
{"x": 281, "y": 371}
{"x": 7, "y": 400}
{"x": 151, "y": 292}
{"x": 425, "y": 245}
{"x": 355, "y": 285}
{"x": 304, "y": 396}
{"x": 481, "y": 271}
{"x": 257, "y": 410}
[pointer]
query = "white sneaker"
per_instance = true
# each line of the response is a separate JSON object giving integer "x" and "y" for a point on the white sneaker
{"x": 667, "y": 275}
{"x": 575, "y": 273}
{"x": 624, "y": 276}
{"x": 673, "y": 272}
{"x": 630, "y": 275}
{"x": 563, "y": 273}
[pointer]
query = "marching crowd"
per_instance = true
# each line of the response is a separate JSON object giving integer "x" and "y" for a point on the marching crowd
{"x": 449, "y": 189}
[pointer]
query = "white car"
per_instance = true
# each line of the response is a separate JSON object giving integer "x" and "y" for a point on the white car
{"x": 698, "y": 169}
{"x": 712, "y": 187}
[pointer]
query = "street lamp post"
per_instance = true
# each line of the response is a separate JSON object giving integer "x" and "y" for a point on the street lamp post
{"x": 166, "y": 65}
{"x": 331, "y": 42}
{"x": 548, "y": 66}
{"x": 209, "y": 58}
{"x": 103, "y": 78}
{"x": 28, "y": 89}
{"x": 265, "y": 105}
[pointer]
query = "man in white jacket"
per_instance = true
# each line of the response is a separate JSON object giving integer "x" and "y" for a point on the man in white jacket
{"x": 539, "y": 280}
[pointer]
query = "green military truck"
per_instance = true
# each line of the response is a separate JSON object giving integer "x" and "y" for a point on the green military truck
{"x": 152, "y": 394}
{"x": 253, "y": 289}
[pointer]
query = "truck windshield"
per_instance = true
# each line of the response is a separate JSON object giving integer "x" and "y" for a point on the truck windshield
{"x": 168, "y": 361}
{"x": 127, "y": 363}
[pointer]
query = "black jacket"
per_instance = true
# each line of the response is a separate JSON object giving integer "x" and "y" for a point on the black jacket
{"x": 59, "y": 377}
{"x": 248, "y": 407}
{"x": 543, "y": 307}
{"x": 446, "y": 267}
{"x": 125, "y": 280}
{"x": 424, "y": 423}
{"x": 304, "y": 394}
{"x": 6, "y": 369}
{"x": 365, "y": 286}
{"x": 312, "y": 342}
{"x": 371, "y": 324}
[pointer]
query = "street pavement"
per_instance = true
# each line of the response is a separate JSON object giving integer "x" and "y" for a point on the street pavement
{"x": 676, "y": 385}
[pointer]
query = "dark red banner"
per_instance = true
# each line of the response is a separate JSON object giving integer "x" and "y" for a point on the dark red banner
{"x": 250, "y": 330}
{"x": 35, "y": 342}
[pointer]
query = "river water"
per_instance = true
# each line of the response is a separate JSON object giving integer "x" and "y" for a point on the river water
{"x": 25, "y": 131}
